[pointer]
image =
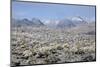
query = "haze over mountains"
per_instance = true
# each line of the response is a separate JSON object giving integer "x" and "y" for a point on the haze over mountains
{"x": 63, "y": 23}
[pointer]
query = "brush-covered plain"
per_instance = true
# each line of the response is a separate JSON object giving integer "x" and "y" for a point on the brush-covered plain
{"x": 43, "y": 45}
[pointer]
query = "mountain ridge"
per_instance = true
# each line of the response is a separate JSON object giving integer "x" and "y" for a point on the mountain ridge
{"x": 62, "y": 23}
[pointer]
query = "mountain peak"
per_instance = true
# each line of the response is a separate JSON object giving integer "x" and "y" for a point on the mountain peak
{"x": 25, "y": 21}
{"x": 65, "y": 23}
{"x": 78, "y": 20}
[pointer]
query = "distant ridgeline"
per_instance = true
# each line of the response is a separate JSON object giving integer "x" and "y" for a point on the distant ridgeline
{"x": 64, "y": 23}
{"x": 26, "y": 22}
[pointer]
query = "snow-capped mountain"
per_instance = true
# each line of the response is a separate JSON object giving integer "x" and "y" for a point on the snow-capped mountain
{"x": 62, "y": 23}
{"x": 78, "y": 20}
{"x": 66, "y": 22}
{"x": 51, "y": 23}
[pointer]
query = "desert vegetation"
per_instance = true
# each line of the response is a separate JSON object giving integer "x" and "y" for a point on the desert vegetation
{"x": 43, "y": 45}
{"x": 44, "y": 33}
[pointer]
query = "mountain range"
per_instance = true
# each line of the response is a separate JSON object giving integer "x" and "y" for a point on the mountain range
{"x": 26, "y": 22}
{"x": 63, "y": 23}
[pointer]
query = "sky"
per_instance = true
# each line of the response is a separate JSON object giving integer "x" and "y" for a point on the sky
{"x": 45, "y": 11}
